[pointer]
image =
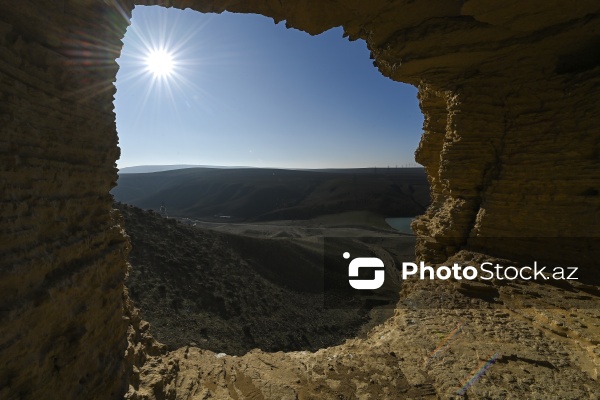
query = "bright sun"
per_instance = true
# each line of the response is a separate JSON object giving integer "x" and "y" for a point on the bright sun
{"x": 159, "y": 63}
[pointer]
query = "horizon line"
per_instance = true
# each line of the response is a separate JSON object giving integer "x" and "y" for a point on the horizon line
{"x": 183, "y": 166}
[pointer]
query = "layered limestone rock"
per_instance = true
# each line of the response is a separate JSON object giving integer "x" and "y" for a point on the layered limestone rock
{"x": 62, "y": 329}
{"x": 510, "y": 94}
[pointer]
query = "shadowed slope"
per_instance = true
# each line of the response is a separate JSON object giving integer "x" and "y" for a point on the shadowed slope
{"x": 231, "y": 293}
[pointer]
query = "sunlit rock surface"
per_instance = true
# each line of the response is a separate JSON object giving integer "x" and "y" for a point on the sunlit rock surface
{"x": 510, "y": 93}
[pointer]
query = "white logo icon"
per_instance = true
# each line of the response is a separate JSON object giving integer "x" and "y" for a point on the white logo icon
{"x": 365, "y": 262}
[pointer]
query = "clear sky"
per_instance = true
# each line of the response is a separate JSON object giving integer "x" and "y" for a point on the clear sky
{"x": 235, "y": 89}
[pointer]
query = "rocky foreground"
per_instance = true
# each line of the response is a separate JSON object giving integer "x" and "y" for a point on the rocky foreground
{"x": 418, "y": 353}
{"x": 511, "y": 340}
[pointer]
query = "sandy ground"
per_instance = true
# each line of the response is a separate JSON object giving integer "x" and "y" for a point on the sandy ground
{"x": 351, "y": 224}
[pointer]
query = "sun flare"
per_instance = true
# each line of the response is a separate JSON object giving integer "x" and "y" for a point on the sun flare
{"x": 160, "y": 63}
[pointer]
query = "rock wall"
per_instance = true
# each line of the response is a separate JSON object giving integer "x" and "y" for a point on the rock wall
{"x": 62, "y": 331}
{"x": 510, "y": 93}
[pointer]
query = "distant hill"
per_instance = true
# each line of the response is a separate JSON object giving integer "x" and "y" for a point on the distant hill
{"x": 138, "y": 169}
{"x": 258, "y": 194}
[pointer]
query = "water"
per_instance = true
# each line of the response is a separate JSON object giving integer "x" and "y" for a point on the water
{"x": 401, "y": 224}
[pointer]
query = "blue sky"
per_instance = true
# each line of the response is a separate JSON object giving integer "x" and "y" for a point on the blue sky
{"x": 244, "y": 91}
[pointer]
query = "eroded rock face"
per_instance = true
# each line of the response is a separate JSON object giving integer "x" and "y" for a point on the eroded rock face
{"x": 510, "y": 93}
{"x": 62, "y": 331}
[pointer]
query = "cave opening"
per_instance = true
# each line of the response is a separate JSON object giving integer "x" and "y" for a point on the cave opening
{"x": 197, "y": 91}
{"x": 509, "y": 85}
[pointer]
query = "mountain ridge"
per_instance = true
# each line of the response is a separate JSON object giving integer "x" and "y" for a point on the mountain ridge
{"x": 246, "y": 194}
